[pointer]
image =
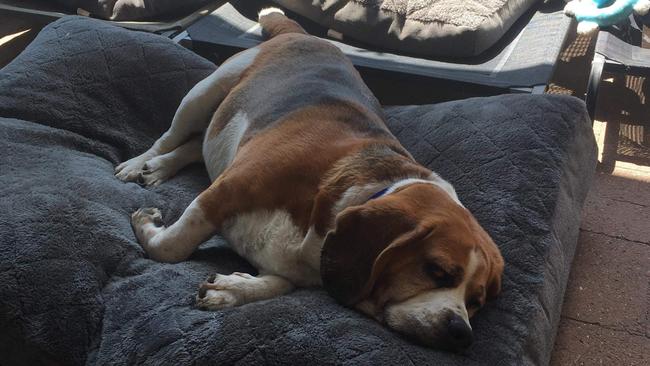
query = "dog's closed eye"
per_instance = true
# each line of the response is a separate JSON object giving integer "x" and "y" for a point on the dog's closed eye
{"x": 441, "y": 277}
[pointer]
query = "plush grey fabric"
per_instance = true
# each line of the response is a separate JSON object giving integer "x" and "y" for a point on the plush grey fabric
{"x": 133, "y": 9}
{"x": 421, "y": 27}
{"x": 75, "y": 287}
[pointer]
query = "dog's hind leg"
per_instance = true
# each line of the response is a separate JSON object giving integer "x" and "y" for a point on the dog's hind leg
{"x": 223, "y": 291}
{"x": 194, "y": 113}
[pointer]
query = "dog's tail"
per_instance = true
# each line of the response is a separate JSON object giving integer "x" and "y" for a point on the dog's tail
{"x": 274, "y": 23}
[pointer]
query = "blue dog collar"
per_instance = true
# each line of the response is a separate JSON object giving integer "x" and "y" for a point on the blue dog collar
{"x": 379, "y": 194}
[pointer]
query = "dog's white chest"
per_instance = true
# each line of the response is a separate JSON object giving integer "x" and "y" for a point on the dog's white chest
{"x": 273, "y": 244}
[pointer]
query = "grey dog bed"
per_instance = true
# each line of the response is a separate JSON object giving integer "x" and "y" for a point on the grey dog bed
{"x": 75, "y": 287}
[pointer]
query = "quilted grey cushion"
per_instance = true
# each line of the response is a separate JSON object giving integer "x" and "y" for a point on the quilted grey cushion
{"x": 75, "y": 287}
{"x": 421, "y": 27}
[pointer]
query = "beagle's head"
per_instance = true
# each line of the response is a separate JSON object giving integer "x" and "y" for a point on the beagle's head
{"x": 416, "y": 261}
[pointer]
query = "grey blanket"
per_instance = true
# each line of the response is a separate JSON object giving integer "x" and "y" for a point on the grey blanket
{"x": 75, "y": 287}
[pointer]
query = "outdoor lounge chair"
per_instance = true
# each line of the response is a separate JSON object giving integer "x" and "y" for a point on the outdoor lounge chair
{"x": 522, "y": 61}
{"x": 613, "y": 55}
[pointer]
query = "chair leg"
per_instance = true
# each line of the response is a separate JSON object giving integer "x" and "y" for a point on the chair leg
{"x": 597, "y": 66}
{"x": 610, "y": 147}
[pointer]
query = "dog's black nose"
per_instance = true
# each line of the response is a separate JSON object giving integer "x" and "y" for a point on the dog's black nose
{"x": 460, "y": 334}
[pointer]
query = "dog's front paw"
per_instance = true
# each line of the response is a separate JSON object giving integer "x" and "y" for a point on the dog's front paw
{"x": 224, "y": 291}
{"x": 145, "y": 170}
{"x": 146, "y": 223}
{"x": 131, "y": 170}
{"x": 155, "y": 171}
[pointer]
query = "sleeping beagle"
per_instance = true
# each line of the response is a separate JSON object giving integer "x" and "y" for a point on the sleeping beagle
{"x": 312, "y": 189}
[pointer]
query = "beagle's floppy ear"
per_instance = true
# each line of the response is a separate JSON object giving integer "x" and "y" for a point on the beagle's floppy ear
{"x": 496, "y": 271}
{"x": 357, "y": 250}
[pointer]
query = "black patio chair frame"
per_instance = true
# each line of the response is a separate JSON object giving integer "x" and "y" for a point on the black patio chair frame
{"x": 613, "y": 55}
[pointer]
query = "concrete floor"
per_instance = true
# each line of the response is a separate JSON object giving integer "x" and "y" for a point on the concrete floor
{"x": 606, "y": 314}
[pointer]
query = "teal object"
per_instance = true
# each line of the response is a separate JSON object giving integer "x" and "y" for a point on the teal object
{"x": 605, "y": 13}
{"x": 602, "y": 3}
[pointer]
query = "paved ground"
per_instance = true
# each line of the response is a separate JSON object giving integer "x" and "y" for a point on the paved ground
{"x": 606, "y": 315}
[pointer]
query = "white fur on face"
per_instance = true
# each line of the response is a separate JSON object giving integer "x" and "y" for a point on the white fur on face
{"x": 426, "y": 315}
